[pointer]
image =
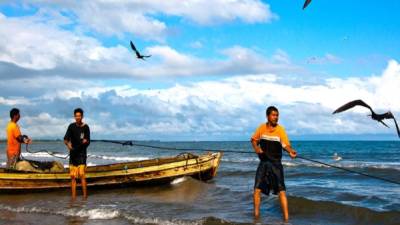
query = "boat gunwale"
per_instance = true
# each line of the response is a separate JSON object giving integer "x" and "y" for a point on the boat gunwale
{"x": 204, "y": 167}
{"x": 208, "y": 157}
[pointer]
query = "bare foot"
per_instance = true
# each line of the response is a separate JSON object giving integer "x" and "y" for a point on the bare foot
{"x": 257, "y": 219}
{"x": 256, "y": 215}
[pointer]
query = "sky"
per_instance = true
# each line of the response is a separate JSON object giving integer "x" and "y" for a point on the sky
{"x": 214, "y": 67}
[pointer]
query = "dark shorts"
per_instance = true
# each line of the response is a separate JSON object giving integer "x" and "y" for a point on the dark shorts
{"x": 269, "y": 177}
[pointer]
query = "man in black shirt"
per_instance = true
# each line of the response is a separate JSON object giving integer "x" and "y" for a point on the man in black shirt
{"x": 77, "y": 139}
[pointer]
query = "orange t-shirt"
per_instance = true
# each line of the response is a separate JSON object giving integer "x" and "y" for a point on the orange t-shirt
{"x": 271, "y": 142}
{"x": 278, "y": 134}
{"x": 13, "y": 146}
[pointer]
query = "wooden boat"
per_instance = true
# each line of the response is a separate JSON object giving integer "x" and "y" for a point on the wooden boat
{"x": 160, "y": 170}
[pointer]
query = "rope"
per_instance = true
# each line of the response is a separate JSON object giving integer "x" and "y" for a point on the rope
{"x": 48, "y": 152}
{"x": 60, "y": 153}
{"x": 132, "y": 143}
{"x": 350, "y": 171}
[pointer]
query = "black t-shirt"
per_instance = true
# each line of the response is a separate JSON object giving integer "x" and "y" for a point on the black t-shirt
{"x": 76, "y": 134}
{"x": 272, "y": 150}
{"x": 271, "y": 141}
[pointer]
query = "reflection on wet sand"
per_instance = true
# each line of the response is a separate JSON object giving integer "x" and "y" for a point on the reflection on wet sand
{"x": 185, "y": 190}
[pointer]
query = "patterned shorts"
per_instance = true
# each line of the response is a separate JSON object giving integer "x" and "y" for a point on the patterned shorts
{"x": 77, "y": 171}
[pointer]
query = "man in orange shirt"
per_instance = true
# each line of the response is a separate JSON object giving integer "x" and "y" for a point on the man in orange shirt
{"x": 14, "y": 139}
{"x": 268, "y": 142}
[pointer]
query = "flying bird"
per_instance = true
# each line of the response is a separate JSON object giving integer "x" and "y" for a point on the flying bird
{"x": 374, "y": 116}
{"x": 138, "y": 55}
{"x": 306, "y": 3}
{"x": 312, "y": 60}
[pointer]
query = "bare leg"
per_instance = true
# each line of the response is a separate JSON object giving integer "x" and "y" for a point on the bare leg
{"x": 257, "y": 200}
{"x": 284, "y": 205}
{"x": 73, "y": 188}
{"x": 84, "y": 187}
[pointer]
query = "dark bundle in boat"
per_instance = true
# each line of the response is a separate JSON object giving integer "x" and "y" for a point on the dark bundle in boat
{"x": 29, "y": 165}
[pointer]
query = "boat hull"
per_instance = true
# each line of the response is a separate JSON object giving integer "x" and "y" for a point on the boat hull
{"x": 154, "y": 171}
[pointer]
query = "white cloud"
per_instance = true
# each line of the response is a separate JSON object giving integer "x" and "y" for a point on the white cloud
{"x": 14, "y": 101}
{"x": 228, "y": 108}
{"x": 281, "y": 56}
{"x": 38, "y": 46}
{"x": 140, "y": 17}
{"x": 326, "y": 59}
{"x": 196, "y": 44}
{"x": 31, "y": 48}
{"x": 50, "y": 67}
{"x": 387, "y": 86}
{"x": 203, "y": 12}
{"x": 171, "y": 56}
{"x": 44, "y": 125}
{"x": 245, "y": 60}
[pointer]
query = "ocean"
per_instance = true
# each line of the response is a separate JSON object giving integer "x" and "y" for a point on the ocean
{"x": 317, "y": 194}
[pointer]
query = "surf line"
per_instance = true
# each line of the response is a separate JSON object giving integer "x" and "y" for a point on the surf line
{"x": 55, "y": 154}
{"x": 133, "y": 143}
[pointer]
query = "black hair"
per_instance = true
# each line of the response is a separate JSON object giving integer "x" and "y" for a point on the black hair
{"x": 270, "y": 109}
{"x": 78, "y": 110}
{"x": 14, "y": 112}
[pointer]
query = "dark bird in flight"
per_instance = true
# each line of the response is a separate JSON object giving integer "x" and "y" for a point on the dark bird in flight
{"x": 374, "y": 116}
{"x": 306, "y": 3}
{"x": 138, "y": 55}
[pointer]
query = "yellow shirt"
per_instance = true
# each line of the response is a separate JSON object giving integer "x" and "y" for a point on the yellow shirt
{"x": 271, "y": 142}
{"x": 277, "y": 134}
{"x": 13, "y": 146}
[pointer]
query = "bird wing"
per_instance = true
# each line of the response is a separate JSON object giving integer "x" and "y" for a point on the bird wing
{"x": 389, "y": 115}
{"x": 306, "y": 3}
{"x": 384, "y": 124}
{"x": 134, "y": 49}
{"x": 397, "y": 127}
{"x": 351, "y": 105}
{"x": 147, "y": 56}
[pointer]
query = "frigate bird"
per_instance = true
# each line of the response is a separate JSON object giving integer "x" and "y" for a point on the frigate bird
{"x": 306, "y": 3}
{"x": 138, "y": 55}
{"x": 374, "y": 116}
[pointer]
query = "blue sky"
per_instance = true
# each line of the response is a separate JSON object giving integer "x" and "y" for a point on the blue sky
{"x": 214, "y": 67}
